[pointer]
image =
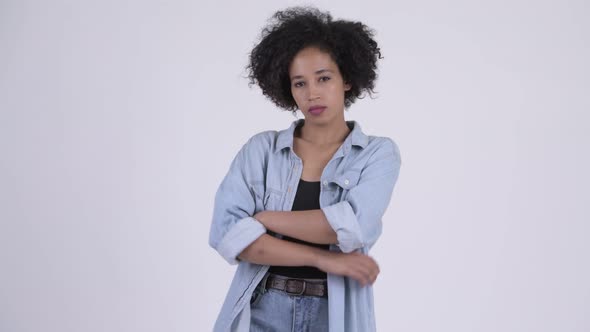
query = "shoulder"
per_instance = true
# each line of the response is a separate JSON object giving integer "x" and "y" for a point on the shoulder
{"x": 383, "y": 147}
{"x": 373, "y": 146}
{"x": 258, "y": 147}
{"x": 262, "y": 142}
{"x": 266, "y": 137}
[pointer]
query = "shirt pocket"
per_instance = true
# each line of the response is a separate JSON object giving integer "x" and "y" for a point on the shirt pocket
{"x": 272, "y": 199}
{"x": 342, "y": 183}
{"x": 267, "y": 198}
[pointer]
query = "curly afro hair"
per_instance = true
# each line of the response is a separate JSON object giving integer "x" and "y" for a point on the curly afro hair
{"x": 350, "y": 44}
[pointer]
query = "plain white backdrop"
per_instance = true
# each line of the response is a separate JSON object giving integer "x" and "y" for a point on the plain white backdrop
{"x": 118, "y": 120}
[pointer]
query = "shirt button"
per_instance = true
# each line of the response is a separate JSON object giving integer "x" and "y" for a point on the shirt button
{"x": 325, "y": 183}
{"x": 346, "y": 182}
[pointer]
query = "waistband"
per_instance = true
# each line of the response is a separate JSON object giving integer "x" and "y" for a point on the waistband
{"x": 296, "y": 286}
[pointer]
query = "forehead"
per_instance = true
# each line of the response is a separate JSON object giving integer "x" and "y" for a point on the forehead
{"x": 309, "y": 60}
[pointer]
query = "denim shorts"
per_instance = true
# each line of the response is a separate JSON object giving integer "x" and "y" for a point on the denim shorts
{"x": 275, "y": 310}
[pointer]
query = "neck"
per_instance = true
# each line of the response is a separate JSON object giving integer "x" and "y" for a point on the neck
{"x": 324, "y": 134}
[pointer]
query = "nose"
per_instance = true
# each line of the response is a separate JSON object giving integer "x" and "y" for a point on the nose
{"x": 313, "y": 92}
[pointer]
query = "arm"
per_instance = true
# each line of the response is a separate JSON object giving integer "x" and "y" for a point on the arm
{"x": 232, "y": 227}
{"x": 357, "y": 219}
{"x": 310, "y": 225}
{"x": 353, "y": 223}
{"x": 268, "y": 250}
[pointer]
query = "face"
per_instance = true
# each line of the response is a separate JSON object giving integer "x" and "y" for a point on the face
{"x": 317, "y": 86}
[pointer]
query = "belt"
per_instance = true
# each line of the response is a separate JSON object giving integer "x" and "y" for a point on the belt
{"x": 294, "y": 286}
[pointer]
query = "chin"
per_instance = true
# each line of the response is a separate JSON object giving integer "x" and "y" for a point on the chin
{"x": 319, "y": 121}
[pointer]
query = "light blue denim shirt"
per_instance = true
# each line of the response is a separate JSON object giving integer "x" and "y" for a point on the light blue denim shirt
{"x": 356, "y": 187}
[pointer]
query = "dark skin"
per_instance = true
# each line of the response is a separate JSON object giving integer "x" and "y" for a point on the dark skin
{"x": 315, "y": 81}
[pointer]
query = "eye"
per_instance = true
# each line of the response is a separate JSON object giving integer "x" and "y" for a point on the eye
{"x": 298, "y": 84}
{"x": 324, "y": 78}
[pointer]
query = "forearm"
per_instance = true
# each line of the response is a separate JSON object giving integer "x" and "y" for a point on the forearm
{"x": 310, "y": 225}
{"x": 268, "y": 250}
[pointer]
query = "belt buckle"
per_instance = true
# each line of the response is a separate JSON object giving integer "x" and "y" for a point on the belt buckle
{"x": 295, "y": 293}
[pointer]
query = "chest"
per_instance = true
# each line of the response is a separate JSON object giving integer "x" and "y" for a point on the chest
{"x": 337, "y": 171}
{"x": 314, "y": 158}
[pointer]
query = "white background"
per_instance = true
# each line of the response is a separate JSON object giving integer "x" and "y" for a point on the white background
{"x": 119, "y": 119}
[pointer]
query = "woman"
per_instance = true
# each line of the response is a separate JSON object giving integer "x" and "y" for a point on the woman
{"x": 300, "y": 208}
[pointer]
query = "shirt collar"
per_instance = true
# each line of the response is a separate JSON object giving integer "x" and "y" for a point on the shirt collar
{"x": 356, "y": 137}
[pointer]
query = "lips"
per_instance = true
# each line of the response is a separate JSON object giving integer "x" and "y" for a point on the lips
{"x": 315, "y": 110}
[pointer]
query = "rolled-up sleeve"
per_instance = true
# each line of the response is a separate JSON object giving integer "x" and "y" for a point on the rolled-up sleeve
{"x": 232, "y": 227}
{"x": 357, "y": 220}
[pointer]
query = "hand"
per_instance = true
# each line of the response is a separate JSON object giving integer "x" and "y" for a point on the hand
{"x": 356, "y": 265}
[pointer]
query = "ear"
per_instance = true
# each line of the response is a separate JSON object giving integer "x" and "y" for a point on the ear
{"x": 347, "y": 87}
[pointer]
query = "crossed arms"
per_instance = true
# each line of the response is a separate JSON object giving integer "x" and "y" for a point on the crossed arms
{"x": 353, "y": 224}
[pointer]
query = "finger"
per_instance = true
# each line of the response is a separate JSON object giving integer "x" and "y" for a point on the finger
{"x": 362, "y": 268}
{"x": 367, "y": 263}
{"x": 374, "y": 278}
{"x": 358, "y": 275}
{"x": 364, "y": 275}
{"x": 371, "y": 272}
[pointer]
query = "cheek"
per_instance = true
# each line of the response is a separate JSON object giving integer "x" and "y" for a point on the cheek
{"x": 296, "y": 96}
{"x": 336, "y": 91}
{"x": 299, "y": 93}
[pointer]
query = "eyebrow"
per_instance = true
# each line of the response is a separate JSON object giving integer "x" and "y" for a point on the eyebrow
{"x": 317, "y": 73}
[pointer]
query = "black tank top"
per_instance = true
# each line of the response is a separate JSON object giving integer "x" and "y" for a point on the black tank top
{"x": 307, "y": 197}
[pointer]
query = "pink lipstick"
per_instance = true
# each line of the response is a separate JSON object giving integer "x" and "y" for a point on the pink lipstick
{"x": 317, "y": 110}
